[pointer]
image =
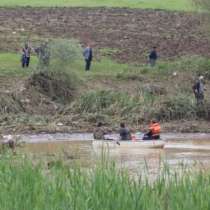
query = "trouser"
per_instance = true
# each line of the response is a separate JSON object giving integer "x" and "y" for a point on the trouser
{"x": 25, "y": 61}
{"x": 199, "y": 98}
{"x": 152, "y": 62}
{"x": 150, "y": 136}
{"x": 87, "y": 64}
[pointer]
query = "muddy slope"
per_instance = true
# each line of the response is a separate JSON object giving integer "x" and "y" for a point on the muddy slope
{"x": 132, "y": 32}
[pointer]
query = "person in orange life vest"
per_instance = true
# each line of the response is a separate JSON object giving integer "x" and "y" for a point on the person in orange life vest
{"x": 154, "y": 131}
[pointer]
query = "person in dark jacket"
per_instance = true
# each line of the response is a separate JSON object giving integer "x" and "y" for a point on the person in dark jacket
{"x": 88, "y": 56}
{"x": 153, "y": 56}
{"x": 99, "y": 132}
{"x": 124, "y": 132}
{"x": 198, "y": 89}
{"x": 43, "y": 54}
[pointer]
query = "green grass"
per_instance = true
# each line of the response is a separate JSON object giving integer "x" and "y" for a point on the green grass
{"x": 153, "y": 4}
{"x": 10, "y": 65}
{"x": 24, "y": 187}
{"x": 106, "y": 68}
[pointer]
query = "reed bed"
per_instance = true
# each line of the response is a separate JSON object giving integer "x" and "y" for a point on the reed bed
{"x": 25, "y": 186}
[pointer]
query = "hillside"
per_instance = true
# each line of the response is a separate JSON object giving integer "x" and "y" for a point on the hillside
{"x": 185, "y": 5}
{"x": 121, "y": 86}
{"x": 126, "y": 34}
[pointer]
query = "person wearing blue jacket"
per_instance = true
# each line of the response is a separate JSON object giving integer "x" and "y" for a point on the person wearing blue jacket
{"x": 88, "y": 56}
{"x": 153, "y": 57}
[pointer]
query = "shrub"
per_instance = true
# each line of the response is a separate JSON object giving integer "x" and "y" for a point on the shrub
{"x": 106, "y": 102}
{"x": 137, "y": 109}
{"x": 203, "y": 111}
{"x": 10, "y": 104}
{"x": 58, "y": 54}
{"x": 55, "y": 76}
{"x": 178, "y": 107}
{"x": 59, "y": 86}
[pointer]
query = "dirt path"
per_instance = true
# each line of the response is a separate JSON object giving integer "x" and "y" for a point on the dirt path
{"x": 131, "y": 32}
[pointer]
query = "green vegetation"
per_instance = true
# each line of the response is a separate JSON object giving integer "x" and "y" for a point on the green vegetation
{"x": 153, "y": 4}
{"x": 10, "y": 104}
{"x": 54, "y": 76}
{"x": 10, "y": 65}
{"x": 115, "y": 106}
{"x": 58, "y": 54}
{"x": 59, "y": 187}
{"x": 203, "y": 4}
{"x": 169, "y": 98}
{"x": 105, "y": 67}
{"x": 108, "y": 102}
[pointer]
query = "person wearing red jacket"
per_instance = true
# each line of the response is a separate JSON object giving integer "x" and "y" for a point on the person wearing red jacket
{"x": 154, "y": 131}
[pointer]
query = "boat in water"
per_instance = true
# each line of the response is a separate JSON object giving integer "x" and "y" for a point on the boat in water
{"x": 114, "y": 144}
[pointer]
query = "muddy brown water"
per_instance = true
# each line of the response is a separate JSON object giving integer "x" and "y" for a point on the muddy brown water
{"x": 188, "y": 150}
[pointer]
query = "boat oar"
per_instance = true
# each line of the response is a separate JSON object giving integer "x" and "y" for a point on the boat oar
{"x": 113, "y": 139}
{"x": 118, "y": 143}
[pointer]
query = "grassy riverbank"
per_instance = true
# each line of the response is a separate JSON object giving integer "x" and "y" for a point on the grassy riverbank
{"x": 152, "y": 4}
{"x": 58, "y": 187}
{"x": 110, "y": 92}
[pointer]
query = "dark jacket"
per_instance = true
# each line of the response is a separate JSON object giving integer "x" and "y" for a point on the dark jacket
{"x": 88, "y": 53}
{"x": 125, "y": 134}
{"x": 153, "y": 55}
{"x": 198, "y": 87}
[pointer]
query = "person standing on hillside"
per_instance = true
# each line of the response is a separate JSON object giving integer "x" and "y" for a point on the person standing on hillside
{"x": 88, "y": 56}
{"x": 153, "y": 57}
{"x": 198, "y": 89}
{"x": 43, "y": 54}
{"x": 26, "y": 54}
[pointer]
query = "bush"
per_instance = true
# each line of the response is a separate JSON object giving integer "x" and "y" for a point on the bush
{"x": 55, "y": 76}
{"x": 203, "y": 111}
{"x": 137, "y": 109}
{"x": 10, "y": 104}
{"x": 58, "y": 54}
{"x": 106, "y": 102}
{"x": 178, "y": 107}
{"x": 59, "y": 86}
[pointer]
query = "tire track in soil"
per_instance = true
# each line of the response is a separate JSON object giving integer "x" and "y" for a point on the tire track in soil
{"x": 132, "y": 31}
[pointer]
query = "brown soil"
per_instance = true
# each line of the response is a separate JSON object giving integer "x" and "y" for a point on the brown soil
{"x": 131, "y": 32}
{"x": 20, "y": 98}
{"x": 51, "y": 87}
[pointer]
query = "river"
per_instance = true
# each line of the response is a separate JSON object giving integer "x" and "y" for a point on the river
{"x": 188, "y": 150}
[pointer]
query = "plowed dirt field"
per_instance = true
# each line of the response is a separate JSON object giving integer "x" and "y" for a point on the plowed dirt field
{"x": 130, "y": 32}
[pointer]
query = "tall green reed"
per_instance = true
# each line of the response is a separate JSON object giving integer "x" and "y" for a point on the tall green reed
{"x": 104, "y": 186}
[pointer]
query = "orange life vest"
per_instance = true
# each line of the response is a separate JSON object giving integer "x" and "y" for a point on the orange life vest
{"x": 155, "y": 129}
